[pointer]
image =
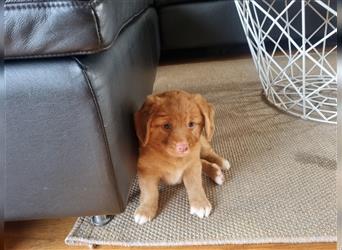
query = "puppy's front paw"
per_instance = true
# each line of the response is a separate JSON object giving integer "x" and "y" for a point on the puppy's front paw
{"x": 200, "y": 208}
{"x": 144, "y": 214}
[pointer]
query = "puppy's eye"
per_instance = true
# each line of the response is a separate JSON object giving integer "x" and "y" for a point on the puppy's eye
{"x": 191, "y": 124}
{"x": 167, "y": 126}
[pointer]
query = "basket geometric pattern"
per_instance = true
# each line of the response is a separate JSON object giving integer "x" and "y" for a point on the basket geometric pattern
{"x": 296, "y": 65}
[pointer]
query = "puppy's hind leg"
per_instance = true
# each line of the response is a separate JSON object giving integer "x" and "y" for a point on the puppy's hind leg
{"x": 213, "y": 171}
{"x": 208, "y": 154}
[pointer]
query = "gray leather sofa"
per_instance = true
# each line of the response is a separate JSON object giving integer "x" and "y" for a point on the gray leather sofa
{"x": 197, "y": 26}
{"x": 76, "y": 71}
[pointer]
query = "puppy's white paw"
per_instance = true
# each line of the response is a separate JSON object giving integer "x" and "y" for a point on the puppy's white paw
{"x": 219, "y": 179}
{"x": 225, "y": 164}
{"x": 141, "y": 219}
{"x": 201, "y": 211}
{"x": 144, "y": 214}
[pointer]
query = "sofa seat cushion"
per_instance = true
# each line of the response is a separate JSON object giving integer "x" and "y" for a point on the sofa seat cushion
{"x": 45, "y": 28}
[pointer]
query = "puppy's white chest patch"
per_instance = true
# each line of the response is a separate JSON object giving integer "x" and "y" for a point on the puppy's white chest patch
{"x": 174, "y": 177}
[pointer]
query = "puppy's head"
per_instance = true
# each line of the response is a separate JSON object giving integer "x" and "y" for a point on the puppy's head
{"x": 173, "y": 122}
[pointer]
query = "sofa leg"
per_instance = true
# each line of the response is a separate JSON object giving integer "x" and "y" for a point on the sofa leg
{"x": 101, "y": 220}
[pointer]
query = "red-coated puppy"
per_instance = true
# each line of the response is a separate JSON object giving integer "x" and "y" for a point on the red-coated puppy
{"x": 173, "y": 149}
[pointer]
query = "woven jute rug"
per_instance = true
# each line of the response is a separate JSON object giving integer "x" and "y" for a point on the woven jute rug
{"x": 280, "y": 188}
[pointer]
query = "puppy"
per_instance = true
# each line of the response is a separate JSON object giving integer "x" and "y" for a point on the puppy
{"x": 173, "y": 149}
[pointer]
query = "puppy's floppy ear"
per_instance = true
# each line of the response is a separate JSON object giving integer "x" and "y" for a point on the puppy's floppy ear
{"x": 142, "y": 120}
{"x": 208, "y": 113}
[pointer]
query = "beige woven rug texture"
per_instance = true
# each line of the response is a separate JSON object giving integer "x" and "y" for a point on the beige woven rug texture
{"x": 281, "y": 187}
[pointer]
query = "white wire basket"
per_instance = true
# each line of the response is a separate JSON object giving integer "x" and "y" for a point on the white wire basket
{"x": 293, "y": 45}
